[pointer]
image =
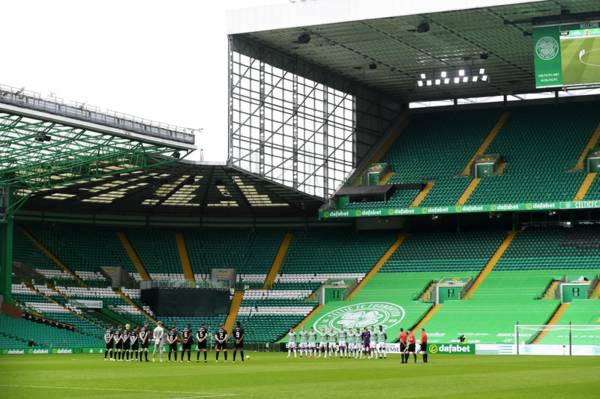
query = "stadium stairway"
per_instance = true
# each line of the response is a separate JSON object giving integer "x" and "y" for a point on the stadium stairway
{"x": 133, "y": 256}
{"x": 421, "y": 323}
{"x": 47, "y": 297}
{"x": 61, "y": 294}
{"x": 464, "y": 197}
{"x": 377, "y": 266}
{"x": 425, "y": 296}
{"x": 382, "y": 148}
{"x": 130, "y": 301}
{"x": 589, "y": 145}
{"x": 234, "y": 309}
{"x": 309, "y": 316}
{"x": 44, "y": 249}
{"x": 184, "y": 258}
{"x": 583, "y": 312}
{"x": 491, "y": 264}
{"x": 422, "y": 194}
{"x": 550, "y": 292}
{"x": 111, "y": 317}
{"x": 480, "y": 151}
{"x": 595, "y": 294}
{"x": 503, "y": 299}
{"x": 486, "y": 142}
{"x": 70, "y": 310}
{"x": 560, "y": 310}
{"x": 278, "y": 261}
{"x": 385, "y": 179}
{"x": 585, "y": 186}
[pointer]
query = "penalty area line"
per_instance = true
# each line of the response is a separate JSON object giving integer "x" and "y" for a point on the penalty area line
{"x": 185, "y": 394}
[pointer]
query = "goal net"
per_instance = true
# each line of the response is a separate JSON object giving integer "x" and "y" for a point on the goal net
{"x": 557, "y": 339}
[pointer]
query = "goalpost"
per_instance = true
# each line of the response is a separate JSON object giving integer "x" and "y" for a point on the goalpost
{"x": 557, "y": 339}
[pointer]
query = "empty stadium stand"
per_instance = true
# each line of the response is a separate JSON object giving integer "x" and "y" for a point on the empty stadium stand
{"x": 247, "y": 251}
{"x": 504, "y": 299}
{"x": 535, "y": 169}
{"x": 95, "y": 247}
{"x": 436, "y": 146}
{"x": 516, "y": 289}
{"x": 553, "y": 248}
{"x": 321, "y": 251}
{"x": 445, "y": 251}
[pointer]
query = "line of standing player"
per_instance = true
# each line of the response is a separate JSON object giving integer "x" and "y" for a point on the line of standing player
{"x": 408, "y": 345}
{"x": 366, "y": 343}
{"x": 133, "y": 344}
{"x": 127, "y": 344}
{"x": 352, "y": 343}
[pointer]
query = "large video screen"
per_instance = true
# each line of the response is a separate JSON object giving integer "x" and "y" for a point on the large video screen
{"x": 567, "y": 55}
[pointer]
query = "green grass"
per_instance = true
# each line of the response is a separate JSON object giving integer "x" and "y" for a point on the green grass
{"x": 272, "y": 375}
{"x": 574, "y": 70}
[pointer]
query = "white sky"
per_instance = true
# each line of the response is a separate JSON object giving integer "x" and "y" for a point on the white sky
{"x": 162, "y": 60}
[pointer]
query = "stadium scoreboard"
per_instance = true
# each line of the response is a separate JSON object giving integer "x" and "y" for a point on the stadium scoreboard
{"x": 567, "y": 55}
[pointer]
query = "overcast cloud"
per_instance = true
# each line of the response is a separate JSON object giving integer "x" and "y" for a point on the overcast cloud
{"x": 162, "y": 60}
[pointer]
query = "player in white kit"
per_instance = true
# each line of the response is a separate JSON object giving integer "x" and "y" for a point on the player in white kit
{"x": 323, "y": 343}
{"x": 332, "y": 342}
{"x": 373, "y": 343}
{"x": 350, "y": 342}
{"x": 291, "y": 345}
{"x": 381, "y": 338}
{"x": 312, "y": 342}
{"x": 342, "y": 347}
{"x": 158, "y": 336}
{"x": 357, "y": 342}
{"x": 303, "y": 342}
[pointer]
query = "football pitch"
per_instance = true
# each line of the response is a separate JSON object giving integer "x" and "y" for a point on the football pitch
{"x": 581, "y": 60}
{"x": 272, "y": 375}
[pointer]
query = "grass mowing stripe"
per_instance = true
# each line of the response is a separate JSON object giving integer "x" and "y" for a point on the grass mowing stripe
{"x": 273, "y": 376}
{"x": 133, "y": 390}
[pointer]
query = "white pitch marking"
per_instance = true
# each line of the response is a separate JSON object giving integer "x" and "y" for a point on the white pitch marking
{"x": 583, "y": 53}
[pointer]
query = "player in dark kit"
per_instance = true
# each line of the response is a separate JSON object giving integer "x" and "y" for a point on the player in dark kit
{"x": 423, "y": 348}
{"x": 186, "y": 342}
{"x": 221, "y": 340}
{"x": 366, "y": 341}
{"x": 144, "y": 338}
{"x": 135, "y": 343}
{"x": 201, "y": 338}
{"x": 108, "y": 339}
{"x": 403, "y": 348}
{"x": 238, "y": 337}
{"x": 126, "y": 342}
{"x": 172, "y": 339}
{"x": 119, "y": 343}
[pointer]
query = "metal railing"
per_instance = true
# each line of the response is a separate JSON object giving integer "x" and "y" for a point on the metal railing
{"x": 176, "y": 283}
{"x": 84, "y": 112}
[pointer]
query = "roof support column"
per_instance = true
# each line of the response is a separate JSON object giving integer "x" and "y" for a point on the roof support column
{"x": 6, "y": 243}
{"x": 261, "y": 118}
{"x": 230, "y": 100}
{"x": 325, "y": 141}
{"x": 295, "y": 131}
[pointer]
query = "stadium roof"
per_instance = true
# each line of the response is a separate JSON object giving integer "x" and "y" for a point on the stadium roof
{"x": 83, "y": 116}
{"x": 180, "y": 189}
{"x": 390, "y": 52}
{"x": 50, "y": 144}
